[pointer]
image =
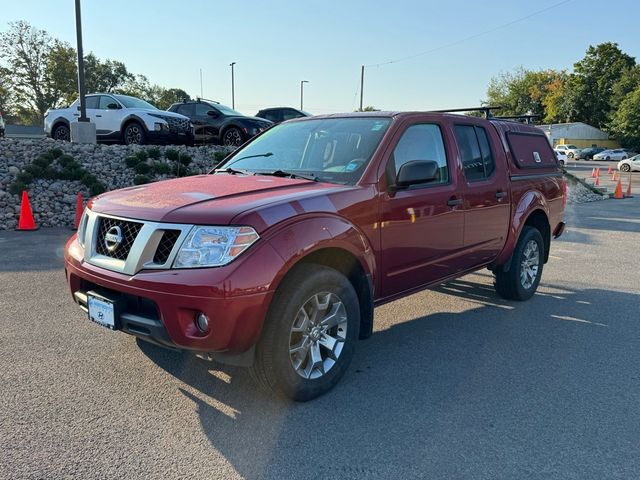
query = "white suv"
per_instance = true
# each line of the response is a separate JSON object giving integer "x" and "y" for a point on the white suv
{"x": 121, "y": 118}
{"x": 569, "y": 150}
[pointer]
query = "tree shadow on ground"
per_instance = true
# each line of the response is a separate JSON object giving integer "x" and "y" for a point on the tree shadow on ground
{"x": 540, "y": 389}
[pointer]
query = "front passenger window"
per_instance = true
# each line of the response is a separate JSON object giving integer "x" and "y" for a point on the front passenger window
{"x": 421, "y": 142}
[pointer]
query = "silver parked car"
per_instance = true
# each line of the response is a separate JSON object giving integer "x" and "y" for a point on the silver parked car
{"x": 612, "y": 154}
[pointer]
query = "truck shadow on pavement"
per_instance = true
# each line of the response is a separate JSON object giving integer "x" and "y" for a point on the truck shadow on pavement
{"x": 499, "y": 389}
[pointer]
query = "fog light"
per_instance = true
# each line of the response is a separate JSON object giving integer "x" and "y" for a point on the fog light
{"x": 202, "y": 322}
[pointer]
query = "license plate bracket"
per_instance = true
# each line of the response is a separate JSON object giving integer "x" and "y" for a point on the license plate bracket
{"x": 102, "y": 310}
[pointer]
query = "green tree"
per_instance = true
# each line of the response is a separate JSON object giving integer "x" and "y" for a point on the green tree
{"x": 105, "y": 76}
{"x": 628, "y": 82}
{"x": 61, "y": 73}
{"x": 590, "y": 92}
{"x": 625, "y": 123}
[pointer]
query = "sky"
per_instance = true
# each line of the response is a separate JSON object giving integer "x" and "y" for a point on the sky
{"x": 278, "y": 43}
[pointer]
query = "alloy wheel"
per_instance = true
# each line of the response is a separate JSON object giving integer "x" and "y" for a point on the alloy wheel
{"x": 318, "y": 334}
{"x": 133, "y": 135}
{"x": 232, "y": 138}
{"x": 530, "y": 264}
{"x": 62, "y": 133}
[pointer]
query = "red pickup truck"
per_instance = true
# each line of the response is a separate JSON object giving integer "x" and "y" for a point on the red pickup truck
{"x": 277, "y": 258}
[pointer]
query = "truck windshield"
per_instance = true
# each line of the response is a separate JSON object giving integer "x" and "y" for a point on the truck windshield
{"x": 334, "y": 150}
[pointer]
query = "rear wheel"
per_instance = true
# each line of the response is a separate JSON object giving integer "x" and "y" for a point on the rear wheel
{"x": 522, "y": 279}
{"x": 625, "y": 167}
{"x": 608, "y": 158}
{"x": 309, "y": 334}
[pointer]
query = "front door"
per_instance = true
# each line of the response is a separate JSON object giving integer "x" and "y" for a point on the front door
{"x": 422, "y": 226}
{"x": 487, "y": 195}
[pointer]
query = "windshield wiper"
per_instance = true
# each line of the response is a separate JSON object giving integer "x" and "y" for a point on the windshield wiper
{"x": 233, "y": 171}
{"x": 268, "y": 154}
{"x": 282, "y": 173}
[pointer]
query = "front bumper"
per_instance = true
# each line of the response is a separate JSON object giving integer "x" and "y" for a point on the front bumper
{"x": 160, "y": 306}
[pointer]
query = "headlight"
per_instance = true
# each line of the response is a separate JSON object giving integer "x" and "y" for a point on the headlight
{"x": 214, "y": 246}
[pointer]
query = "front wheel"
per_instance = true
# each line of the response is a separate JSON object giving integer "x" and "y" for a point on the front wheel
{"x": 523, "y": 277}
{"x": 134, "y": 134}
{"x": 232, "y": 137}
{"x": 309, "y": 334}
{"x": 61, "y": 132}
{"x": 625, "y": 167}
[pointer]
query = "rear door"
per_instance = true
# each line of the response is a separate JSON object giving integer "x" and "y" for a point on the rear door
{"x": 422, "y": 226}
{"x": 486, "y": 190}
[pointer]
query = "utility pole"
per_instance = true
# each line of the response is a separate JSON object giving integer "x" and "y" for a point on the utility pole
{"x": 302, "y": 82}
{"x": 81, "y": 131}
{"x": 233, "y": 93}
{"x": 361, "y": 88}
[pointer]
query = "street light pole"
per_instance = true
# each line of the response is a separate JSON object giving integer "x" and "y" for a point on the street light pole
{"x": 81, "y": 85}
{"x": 361, "y": 86}
{"x": 302, "y": 82}
{"x": 233, "y": 93}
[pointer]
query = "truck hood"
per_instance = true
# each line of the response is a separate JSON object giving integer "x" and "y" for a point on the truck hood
{"x": 205, "y": 199}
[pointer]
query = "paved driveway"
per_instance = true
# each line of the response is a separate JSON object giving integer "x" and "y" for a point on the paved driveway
{"x": 455, "y": 382}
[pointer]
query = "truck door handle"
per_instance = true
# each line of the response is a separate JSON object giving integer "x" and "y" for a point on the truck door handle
{"x": 501, "y": 194}
{"x": 455, "y": 201}
{"x": 76, "y": 114}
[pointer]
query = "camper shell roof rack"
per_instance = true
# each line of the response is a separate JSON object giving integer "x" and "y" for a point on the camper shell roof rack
{"x": 485, "y": 110}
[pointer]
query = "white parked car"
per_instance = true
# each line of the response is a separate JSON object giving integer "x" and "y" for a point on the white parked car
{"x": 562, "y": 157}
{"x": 612, "y": 154}
{"x": 121, "y": 118}
{"x": 570, "y": 150}
{"x": 630, "y": 164}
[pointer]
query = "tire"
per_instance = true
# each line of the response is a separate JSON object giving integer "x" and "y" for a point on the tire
{"x": 289, "y": 324}
{"x": 570, "y": 155}
{"x": 61, "y": 132}
{"x": 561, "y": 162}
{"x": 624, "y": 157}
{"x": 511, "y": 285}
{"x": 608, "y": 158}
{"x": 134, "y": 134}
{"x": 232, "y": 137}
{"x": 625, "y": 167}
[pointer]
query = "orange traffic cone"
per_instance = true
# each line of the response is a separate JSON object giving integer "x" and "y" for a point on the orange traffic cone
{"x": 629, "y": 194}
{"x": 25, "y": 221}
{"x": 610, "y": 171}
{"x": 598, "y": 172}
{"x": 618, "y": 193}
{"x": 597, "y": 184}
{"x": 615, "y": 177}
{"x": 79, "y": 210}
{"x": 593, "y": 173}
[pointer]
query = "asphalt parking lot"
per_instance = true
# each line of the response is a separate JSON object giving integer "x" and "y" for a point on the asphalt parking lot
{"x": 455, "y": 382}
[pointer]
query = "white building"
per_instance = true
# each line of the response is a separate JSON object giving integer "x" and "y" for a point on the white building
{"x": 577, "y": 133}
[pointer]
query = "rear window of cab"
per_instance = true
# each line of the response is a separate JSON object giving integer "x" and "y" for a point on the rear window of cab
{"x": 531, "y": 150}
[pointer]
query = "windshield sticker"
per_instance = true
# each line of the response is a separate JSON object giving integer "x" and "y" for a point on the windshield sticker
{"x": 377, "y": 126}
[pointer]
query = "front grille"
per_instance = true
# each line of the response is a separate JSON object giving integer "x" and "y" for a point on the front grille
{"x": 178, "y": 124}
{"x": 128, "y": 232}
{"x": 168, "y": 240}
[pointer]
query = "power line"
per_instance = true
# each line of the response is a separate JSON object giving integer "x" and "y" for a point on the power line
{"x": 471, "y": 37}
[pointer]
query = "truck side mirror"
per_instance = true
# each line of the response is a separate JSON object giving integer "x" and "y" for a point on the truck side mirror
{"x": 416, "y": 172}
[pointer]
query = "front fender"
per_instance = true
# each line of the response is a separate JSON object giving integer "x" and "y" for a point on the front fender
{"x": 295, "y": 241}
{"x": 529, "y": 202}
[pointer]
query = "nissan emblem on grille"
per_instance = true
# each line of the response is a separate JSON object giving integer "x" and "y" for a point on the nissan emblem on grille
{"x": 113, "y": 238}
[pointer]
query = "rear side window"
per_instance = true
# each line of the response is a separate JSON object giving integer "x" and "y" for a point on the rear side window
{"x": 272, "y": 115}
{"x": 185, "y": 109}
{"x": 475, "y": 152}
{"x": 531, "y": 150}
{"x": 92, "y": 102}
{"x": 422, "y": 142}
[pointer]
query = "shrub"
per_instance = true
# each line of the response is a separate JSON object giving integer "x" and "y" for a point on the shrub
{"x": 154, "y": 152}
{"x": 70, "y": 172}
{"x": 161, "y": 168}
{"x": 185, "y": 159}
{"x": 50, "y": 173}
{"x": 17, "y": 187}
{"x": 142, "y": 168}
{"x": 131, "y": 161}
{"x": 88, "y": 180}
{"x": 141, "y": 179}
{"x": 24, "y": 177}
{"x": 142, "y": 155}
{"x": 172, "y": 154}
{"x": 43, "y": 161}
{"x": 219, "y": 156}
{"x": 65, "y": 160}
{"x": 55, "y": 152}
{"x": 34, "y": 170}
{"x": 97, "y": 188}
